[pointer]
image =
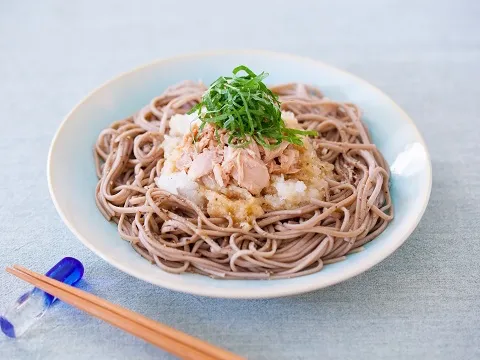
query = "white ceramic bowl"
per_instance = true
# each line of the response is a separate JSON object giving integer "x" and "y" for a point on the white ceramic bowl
{"x": 72, "y": 180}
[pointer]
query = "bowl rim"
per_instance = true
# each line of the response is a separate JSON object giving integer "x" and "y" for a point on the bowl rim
{"x": 224, "y": 293}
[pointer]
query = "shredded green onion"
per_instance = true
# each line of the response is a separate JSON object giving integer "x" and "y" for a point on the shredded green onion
{"x": 245, "y": 107}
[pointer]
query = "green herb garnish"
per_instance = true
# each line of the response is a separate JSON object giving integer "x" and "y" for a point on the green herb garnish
{"x": 247, "y": 109}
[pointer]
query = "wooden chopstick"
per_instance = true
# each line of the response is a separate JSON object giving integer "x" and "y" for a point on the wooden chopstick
{"x": 125, "y": 323}
{"x": 171, "y": 340}
{"x": 149, "y": 323}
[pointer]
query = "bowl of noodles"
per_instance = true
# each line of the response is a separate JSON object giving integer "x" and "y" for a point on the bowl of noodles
{"x": 213, "y": 173}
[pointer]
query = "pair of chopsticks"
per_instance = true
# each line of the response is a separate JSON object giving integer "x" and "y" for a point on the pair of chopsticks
{"x": 173, "y": 341}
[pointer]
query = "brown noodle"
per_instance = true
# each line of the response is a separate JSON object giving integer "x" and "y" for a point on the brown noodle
{"x": 178, "y": 236}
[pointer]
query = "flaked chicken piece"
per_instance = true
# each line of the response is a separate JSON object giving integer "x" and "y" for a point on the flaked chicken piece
{"x": 229, "y": 156}
{"x": 248, "y": 170}
{"x": 206, "y": 161}
{"x": 220, "y": 176}
{"x": 253, "y": 149}
{"x": 205, "y": 137}
{"x": 203, "y": 163}
{"x": 202, "y": 144}
{"x": 208, "y": 138}
{"x": 289, "y": 160}
{"x": 187, "y": 141}
{"x": 282, "y": 160}
{"x": 272, "y": 154}
{"x": 251, "y": 172}
{"x": 273, "y": 168}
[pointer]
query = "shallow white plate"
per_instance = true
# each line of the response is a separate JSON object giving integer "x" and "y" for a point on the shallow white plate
{"x": 72, "y": 180}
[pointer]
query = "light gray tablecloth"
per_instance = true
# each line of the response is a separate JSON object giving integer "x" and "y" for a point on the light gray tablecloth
{"x": 420, "y": 303}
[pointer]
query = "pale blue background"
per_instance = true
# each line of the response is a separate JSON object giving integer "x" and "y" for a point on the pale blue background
{"x": 422, "y": 302}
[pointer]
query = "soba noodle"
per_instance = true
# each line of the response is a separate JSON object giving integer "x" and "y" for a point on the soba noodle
{"x": 179, "y": 236}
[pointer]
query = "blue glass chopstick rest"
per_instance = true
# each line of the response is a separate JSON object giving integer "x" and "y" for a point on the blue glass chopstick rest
{"x": 33, "y": 304}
